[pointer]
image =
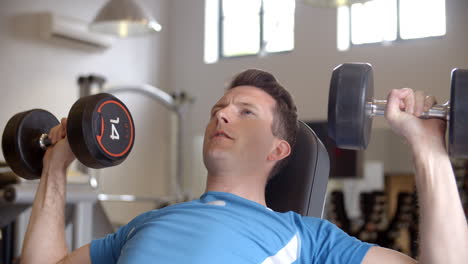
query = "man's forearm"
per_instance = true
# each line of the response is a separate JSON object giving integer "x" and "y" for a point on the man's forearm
{"x": 45, "y": 237}
{"x": 443, "y": 226}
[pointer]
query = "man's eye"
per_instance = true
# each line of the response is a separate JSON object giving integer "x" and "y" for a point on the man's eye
{"x": 246, "y": 112}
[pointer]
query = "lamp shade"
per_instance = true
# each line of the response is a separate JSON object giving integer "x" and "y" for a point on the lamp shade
{"x": 333, "y": 3}
{"x": 124, "y": 18}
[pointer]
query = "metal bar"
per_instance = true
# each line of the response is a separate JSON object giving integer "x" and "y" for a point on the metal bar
{"x": 262, "y": 47}
{"x": 440, "y": 111}
{"x": 173, "y": 105}
{"x": 5, "y": 169}
{"x": 133, "y": 198}
{"x": 179, "y": 155}
{"x": 82, "y": 224}
{"x": 220, "y": 29}
{"x": 151, "y": 91}
{"x": 76, "y": 193}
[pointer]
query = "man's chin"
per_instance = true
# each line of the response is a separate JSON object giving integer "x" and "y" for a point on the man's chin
{"x": 215, "y": 156}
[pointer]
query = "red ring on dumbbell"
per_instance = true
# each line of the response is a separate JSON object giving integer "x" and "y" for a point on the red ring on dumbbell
{"x": 99, "y": 137}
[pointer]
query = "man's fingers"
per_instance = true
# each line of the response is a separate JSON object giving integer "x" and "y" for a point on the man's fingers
{"x": 402, "y": 93}
{"x": 394, "y": 103}
{"x": 402, "y": 105}
{"x": 429, "y": 101}
{"x": 63, "y": 131}
{"x": 419, "y": 102}
{"x": 52, "y": 133}
{"x": 409, "y": 101}
{"x": 407, "y": 95}
{"x": 58, "y": 132}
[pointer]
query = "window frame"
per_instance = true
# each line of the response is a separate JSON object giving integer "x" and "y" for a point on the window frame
{"x": 261, "y": 44}
{"x": 398, "y": 38}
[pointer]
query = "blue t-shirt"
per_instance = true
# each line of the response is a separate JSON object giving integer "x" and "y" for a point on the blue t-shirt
{"x": 225, "y": 228}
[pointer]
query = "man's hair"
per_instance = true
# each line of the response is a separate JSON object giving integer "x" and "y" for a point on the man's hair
{"x": 284, "y": 124}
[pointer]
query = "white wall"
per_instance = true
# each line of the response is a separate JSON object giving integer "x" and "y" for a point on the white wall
{"x": 35, "y": 73}
{"x": 420, "y": 64}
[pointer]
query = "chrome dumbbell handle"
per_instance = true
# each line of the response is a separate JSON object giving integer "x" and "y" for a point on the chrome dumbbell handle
{"x": 440, "y": 111}
{"x": 44, "y": 141}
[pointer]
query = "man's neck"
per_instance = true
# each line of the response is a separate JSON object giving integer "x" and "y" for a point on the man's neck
{"x": 248, "y": 187}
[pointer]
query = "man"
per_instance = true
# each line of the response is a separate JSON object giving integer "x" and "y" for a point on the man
{"x": 249, "y": 136}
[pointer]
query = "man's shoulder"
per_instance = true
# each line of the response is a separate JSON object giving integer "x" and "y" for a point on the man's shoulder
{"x": 315, "y": 221}
{"x": 316, "y": 225}
{"x": 149, "y": 215}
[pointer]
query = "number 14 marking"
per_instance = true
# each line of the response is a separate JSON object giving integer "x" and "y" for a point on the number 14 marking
{"x": 114, "y": 133}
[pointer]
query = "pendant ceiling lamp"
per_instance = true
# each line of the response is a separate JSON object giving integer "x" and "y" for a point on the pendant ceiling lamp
{"x": 124, "y": 18}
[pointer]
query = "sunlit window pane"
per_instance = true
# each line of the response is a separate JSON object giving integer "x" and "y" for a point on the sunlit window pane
{"x": 377, "y": 21}
{"x": 241, "y": 36}
{"x": 422, "y": 18}
{"x": 239, "y": 7}
{"x": 374, "y": 21}
{"x": 241, "y": 27}
{"x": 278, "y": 25}
{"x": 343, "y": 28}
{"x": 248, "y": 27}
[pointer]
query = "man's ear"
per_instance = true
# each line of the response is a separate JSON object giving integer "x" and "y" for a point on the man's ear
{"x": 281, "y": 151}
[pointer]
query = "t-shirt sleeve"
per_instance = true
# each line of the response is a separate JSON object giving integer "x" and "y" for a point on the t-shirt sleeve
{"x": 106, "y": 250}
{"x": 335, "y": 246}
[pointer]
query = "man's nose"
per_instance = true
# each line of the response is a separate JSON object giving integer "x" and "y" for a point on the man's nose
{"x": 223, "y": 116}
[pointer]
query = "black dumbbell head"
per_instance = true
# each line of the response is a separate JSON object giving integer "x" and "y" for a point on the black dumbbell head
{"x": 458, "y": 122}
{"x": 20, "y": 141}
{"x": 351, "y": 87}
{"x": 100, "y": 130}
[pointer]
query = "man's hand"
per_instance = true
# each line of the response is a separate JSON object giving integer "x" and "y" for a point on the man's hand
{"x": 443, "y": 228}
{"x": 58, "y": 156}
{"x": 404, "y": 106}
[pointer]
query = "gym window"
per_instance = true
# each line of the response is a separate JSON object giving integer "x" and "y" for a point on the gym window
{"x": 235, "y": 28}
{"x": 389, "y": 20}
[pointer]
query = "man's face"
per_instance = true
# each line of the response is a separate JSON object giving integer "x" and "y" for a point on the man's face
{"x": 239, "y": 131}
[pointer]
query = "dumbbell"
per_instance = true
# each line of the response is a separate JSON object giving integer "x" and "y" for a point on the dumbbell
{"x": 100, "y": 131}
{"x": 351, "y": 107}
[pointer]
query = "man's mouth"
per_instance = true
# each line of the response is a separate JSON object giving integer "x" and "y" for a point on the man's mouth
{"x": 221, "y": 133}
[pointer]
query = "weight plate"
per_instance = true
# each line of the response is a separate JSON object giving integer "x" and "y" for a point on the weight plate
{"x": 100, "y": 130}
{"x": 20, "y": 141}
{"x": 458, "y": 123}
{"x": 351, "y": 87}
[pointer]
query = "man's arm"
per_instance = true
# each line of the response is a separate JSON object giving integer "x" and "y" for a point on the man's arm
{"x": 44, "y": 241}
{"x": 443, "y": 226}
